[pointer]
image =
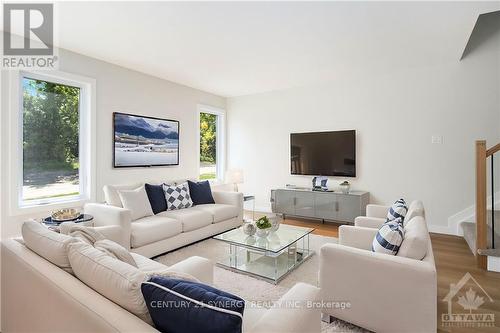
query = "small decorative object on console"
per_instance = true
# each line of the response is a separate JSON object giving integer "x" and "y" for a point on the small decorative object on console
{"x": 249, "y": 228}
{"x": 345, "y": 187}
{"x": 320, "y": 183}
{"x": 263, "y": 225}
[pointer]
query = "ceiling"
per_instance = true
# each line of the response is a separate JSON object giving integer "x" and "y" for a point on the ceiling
{"x": 241, "y": 48}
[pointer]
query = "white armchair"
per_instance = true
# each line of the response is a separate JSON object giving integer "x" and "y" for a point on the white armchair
{"x": 386, "y": 293}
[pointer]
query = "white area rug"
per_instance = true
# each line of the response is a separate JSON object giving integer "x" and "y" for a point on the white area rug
{"x": 253, "y": 289}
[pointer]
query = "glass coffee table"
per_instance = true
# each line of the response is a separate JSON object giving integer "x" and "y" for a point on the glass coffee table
{"x": 270, "y": 258}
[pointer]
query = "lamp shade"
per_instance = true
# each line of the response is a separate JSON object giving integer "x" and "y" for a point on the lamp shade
{"x": 234, "y": 176}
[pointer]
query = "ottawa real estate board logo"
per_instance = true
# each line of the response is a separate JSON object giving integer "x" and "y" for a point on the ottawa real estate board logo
{"x": 464, "y": 300}
{"x": 28, "y": 36}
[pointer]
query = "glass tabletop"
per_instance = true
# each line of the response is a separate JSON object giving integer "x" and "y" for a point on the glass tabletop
{"x": 277, "y": 241}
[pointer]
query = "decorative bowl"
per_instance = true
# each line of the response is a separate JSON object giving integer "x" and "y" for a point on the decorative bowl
{"x": 275, "y": 222}
{"x": 249, "y": 228}
{"x": 66, "y": 214}
{"x": 263, "y": 232}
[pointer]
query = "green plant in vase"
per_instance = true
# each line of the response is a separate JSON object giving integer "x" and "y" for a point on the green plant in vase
{"x": 263, "y": 225}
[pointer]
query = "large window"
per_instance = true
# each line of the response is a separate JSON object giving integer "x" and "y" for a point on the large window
{"x": 211, "y": 148}
{"x": 52, "y": 143}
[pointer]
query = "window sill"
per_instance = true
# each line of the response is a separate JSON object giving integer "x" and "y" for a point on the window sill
{"x": 77, "y": 202}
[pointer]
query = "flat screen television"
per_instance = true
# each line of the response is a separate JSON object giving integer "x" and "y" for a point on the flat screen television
{"x": 141, "y": 141}
{"x": 323, "y": 153}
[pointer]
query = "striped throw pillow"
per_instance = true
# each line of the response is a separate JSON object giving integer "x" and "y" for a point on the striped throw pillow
{"x": 397, "y": 210}
{"x": 389, "y": 238}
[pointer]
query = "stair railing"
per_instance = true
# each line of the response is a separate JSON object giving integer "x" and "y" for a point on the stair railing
{"x": 482, "y": 155}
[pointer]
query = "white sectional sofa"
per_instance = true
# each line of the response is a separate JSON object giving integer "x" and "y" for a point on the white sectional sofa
{"x": 168, "y": 230}
{"x": 38, "y": 296}
{"x": 387, "y": 293}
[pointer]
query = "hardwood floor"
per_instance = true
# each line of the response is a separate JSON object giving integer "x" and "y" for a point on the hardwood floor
{"x": 453, "y": 260}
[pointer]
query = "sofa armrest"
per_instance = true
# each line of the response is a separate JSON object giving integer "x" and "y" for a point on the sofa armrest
{"x": 114, "y": 233}
{"x": 294, "y": 312}
{"x": 106, "y": 215}
{"x": 368, "y": 280}
{"x": 369, "y": 222}
{"x": 200, "y": 268}
{"x": 230, "y": 198}
{"x": 377, "y": 211}
{"x": 358, "y": 237}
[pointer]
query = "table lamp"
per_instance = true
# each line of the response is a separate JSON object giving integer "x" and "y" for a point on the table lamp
{"x": 235, "y": 177}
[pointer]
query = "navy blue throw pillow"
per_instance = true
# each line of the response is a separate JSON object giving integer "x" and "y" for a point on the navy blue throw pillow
{"x": 156, "y": 198}
{"x": 201, "y": 193}
{"x": 178, "y": 306}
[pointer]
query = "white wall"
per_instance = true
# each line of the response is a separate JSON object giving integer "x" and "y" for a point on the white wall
{"x": 395, "y": 116}
{"x": 121, "y": 90}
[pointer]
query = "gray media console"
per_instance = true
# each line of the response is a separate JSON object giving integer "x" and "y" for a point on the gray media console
{"x": 334, "y": 206}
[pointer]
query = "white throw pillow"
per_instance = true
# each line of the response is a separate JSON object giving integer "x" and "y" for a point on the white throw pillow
{"x": 137, "y": 202}
{"x": 112, "y": 278}
{"x": 115, "y": 279}
{"x": 389, "y": 238}
{"x": 416, "y": 209}
{"x": 47, "y": 243}
{"x": 416, "y": 241}
{"x": 111, "y": 195}
{"x": 115, "y": 250}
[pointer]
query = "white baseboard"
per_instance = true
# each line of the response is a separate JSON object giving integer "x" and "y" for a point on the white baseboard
{"x": 441, "y": 229}
{"x": 465, "y": 215}
{"x": 468, "y": 215}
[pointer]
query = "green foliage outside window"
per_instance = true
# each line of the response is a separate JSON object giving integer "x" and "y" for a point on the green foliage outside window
{"x": 208, "y": 137}
{"x": 50, "y": 126}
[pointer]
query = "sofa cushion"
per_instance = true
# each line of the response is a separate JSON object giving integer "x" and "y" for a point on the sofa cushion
{"x": 115, "y": 250}
{"x": 147, "y": 265}
{"x": 389, "y": 238}
{"x": 111, "y": 193}
{"x": 47, "y": 244}
{"x": 416, "y": 240}
{"x": 397, "y": 210}
{"x": 152, "y": 229}
{"x": 190, "y": 218}
{"x": 192, "y": 306}
{"x": 219, "y": 212}
{"x": 112, "y": 278}
{"x": 416, "y": 209}
{"x": 156, "y": 198}
{"x": 201, "y": 192}
{"x": 177, "y": 196}
{"x": 137, "y": 202}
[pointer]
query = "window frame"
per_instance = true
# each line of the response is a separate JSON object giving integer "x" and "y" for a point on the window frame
{"x": 220, "y": 143}
{"x": 86, "y": 141}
